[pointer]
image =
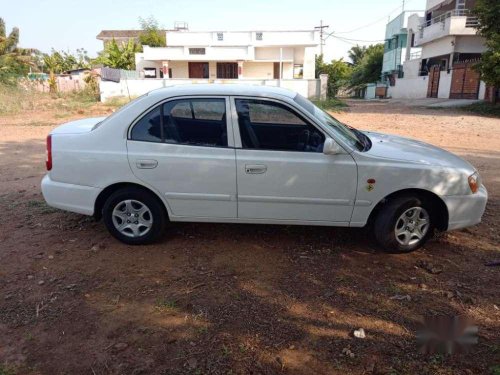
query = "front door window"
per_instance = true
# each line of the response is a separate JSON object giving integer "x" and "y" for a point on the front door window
{"x": 268, "y": 125}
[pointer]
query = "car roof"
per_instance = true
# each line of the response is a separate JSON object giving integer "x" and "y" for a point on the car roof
{"x": 223, "y": 89}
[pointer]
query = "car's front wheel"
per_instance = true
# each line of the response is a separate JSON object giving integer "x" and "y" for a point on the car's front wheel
{"x": 403, "y": 224}
{"x": 134, "y": 216}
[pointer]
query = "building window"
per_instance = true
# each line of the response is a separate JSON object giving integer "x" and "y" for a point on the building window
{"x": 258, "y": 36}
{"x": 149, "y": 72}
{"x": 298, "y": 71}
{"x": 220, "y": 37}
{"x": 197, "y": 51}
{"x": 227, "y": 70}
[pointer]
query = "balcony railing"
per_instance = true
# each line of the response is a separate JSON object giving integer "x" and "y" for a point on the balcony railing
{"x": 444, "y": 16}
{"x": 471, "y": 20}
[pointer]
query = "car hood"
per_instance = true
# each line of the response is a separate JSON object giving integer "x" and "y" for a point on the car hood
{"x": 409, "y": 150}
{"x": 79, "y": 126}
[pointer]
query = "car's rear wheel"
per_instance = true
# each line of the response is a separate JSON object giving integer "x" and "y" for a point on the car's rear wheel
{"x": 134, "y": 216}
{"x": 403, "y": 224}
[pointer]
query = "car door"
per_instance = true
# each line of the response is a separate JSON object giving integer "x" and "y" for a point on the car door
{"x": 181, "y": 147}
{"x": 282, "y": 173}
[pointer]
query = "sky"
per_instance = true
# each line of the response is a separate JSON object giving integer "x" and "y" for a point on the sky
{"x": 70, "y": 24}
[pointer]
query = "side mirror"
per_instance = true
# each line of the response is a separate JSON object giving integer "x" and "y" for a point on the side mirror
{"x": 331, "y": 147}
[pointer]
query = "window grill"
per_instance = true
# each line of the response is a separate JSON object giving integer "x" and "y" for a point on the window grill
{"x": 197, "y": 51}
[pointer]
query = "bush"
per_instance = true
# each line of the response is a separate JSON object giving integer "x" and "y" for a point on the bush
{"x": 331, "y": 104}
{"x": 483, "y": 108}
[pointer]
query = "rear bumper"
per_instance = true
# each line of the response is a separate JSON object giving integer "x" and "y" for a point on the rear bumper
{"x": 69, "y": 197}
{"x": 466, "y": 210}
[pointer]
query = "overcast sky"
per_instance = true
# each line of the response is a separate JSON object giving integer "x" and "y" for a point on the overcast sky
{"x": 70, "y": 24}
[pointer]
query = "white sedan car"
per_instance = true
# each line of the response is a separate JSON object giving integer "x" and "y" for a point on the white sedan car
{"x": 253, "y": 154}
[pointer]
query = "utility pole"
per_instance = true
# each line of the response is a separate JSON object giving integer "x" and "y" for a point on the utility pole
{"x": 403, "y": 5}
{"x": 321, "y": 32}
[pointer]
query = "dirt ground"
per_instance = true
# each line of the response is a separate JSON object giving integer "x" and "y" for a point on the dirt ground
{"x": 240, "y": 298}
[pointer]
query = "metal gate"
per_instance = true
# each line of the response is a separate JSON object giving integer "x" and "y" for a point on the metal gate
{"x": 433, "y": 86}
{"x": 464, "y": 81}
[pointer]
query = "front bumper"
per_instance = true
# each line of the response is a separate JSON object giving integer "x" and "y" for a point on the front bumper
{"x": 69, "y": 197}
{"x": 465, "y": 210}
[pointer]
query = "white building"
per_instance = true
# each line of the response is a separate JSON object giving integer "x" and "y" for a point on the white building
{"x": 262, "y": 55}
{"x": 450, "y": 46}
{"x": 398, "y": 48}
{"x": 270, "y": 58}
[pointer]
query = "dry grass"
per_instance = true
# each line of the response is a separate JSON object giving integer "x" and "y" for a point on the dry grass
{"x": 15, "y": 99}
{"x": 23, "y": 99}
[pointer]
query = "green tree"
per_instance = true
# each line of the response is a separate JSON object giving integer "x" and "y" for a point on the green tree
{"x": 119, "y": 56}
{"x": 151, "y": 34}
{"x": 369, "y": 67}
{"x": 488, "y": 13}
{"x": 59, "y": 62}
{"x": 338, "y": 72}
{"x": 14, "y": 61}
{"x": 356, "y": 54}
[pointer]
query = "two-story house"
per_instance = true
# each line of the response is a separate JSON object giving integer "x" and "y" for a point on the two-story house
{"x": 228, "y": 55}
{"x": 398, "y": 48}
{"x": 450, "y": 46}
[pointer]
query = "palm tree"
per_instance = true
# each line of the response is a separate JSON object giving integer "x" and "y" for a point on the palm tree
{"x": 356, "y": 53}
{"x": 14, "y": 61}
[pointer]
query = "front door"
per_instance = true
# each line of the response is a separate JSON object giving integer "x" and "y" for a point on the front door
{"x": 433, "y": 85}
{"x": 282, "y": 173}
{"x": 182, "y": 149}
{"x": 198, "y": 70}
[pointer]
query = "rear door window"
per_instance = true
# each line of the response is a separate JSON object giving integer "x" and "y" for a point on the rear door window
{"x": 197, "y": 122}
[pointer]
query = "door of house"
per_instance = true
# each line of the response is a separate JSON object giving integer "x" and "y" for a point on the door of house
{"x": 433, "y": 86}
{"x": 276, "y": 70}
{"x": 464, "y": 81}
{"x": 198, "y": 70}
{"x": 227, "y": 70}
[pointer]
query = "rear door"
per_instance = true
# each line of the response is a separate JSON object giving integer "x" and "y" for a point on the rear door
{"x": 183, "y": 149}
{"x": 282, "y": 172}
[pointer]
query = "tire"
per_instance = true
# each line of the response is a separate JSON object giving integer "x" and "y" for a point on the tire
{"x": 403, "y": 224}
{"x": 134, "y": 216}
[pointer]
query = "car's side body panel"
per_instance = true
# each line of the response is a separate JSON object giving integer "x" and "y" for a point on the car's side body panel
{"x": 195, "y": 181}
{"x": 300, "y": 186}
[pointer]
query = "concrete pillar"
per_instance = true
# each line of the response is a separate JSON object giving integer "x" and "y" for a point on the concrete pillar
{"x": 240, "y": 69}
{"x": 323, "y": 86}
{"x": 164, "y": 68}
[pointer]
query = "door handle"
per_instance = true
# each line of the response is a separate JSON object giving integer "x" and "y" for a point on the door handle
{"x": 255, "y": 168}
{"x": 146, "y": 164}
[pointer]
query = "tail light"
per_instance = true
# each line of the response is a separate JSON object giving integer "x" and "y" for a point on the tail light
{"x": 48, "y": 161}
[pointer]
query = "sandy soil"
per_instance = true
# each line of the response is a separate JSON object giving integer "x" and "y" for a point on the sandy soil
{"x": 239, "y": 298}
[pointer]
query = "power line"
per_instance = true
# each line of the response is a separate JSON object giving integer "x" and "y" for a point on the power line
{"x": 359, "y": 40}
{"x": 371, "y": 23}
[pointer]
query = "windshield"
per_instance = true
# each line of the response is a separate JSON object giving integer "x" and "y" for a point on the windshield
{"x": 352, "y": 137}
